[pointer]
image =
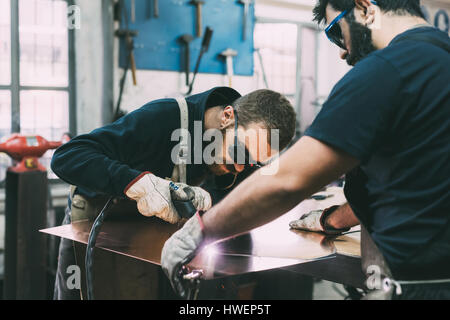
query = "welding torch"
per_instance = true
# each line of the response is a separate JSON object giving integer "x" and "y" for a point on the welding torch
{"x": 186, "y": 209}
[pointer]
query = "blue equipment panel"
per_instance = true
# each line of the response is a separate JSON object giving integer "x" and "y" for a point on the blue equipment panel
{"x": 157, "y": 46}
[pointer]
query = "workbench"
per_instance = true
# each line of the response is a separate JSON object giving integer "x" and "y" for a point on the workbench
{"x": 272, "y": 246}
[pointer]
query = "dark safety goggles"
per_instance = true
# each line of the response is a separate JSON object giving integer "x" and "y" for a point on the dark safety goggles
{"x": 334, "y": 32}
{"x": 239, "y": 152}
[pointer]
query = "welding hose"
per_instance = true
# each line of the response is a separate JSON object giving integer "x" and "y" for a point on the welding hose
{"x": 89, "y": 259}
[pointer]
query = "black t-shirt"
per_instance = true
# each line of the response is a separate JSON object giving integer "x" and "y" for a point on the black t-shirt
{"x": 392, "y": 112}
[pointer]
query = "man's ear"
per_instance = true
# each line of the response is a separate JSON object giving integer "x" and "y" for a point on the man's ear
{"x": 362, "y": 4}
{"x": 227, "y": 117}
{"x": 368, "y": 14}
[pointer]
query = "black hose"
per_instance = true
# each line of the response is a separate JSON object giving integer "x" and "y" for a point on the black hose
{"x": 89, "y": 260}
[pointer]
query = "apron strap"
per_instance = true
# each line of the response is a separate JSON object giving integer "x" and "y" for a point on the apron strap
{"x": 179, "y": 173}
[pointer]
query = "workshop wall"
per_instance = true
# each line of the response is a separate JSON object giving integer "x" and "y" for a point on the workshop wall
{"x": 92, "y": 63}
{"x": 89, "y": 66}
{"x": 155, "y": 84}
{"x": 169, "y": 81}
{"x": 159, "y": 84}
{"x": 158, "y": 45}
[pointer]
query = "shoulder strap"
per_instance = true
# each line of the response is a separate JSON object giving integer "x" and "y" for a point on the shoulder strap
{"x": 179, "y": 171}
{"x": 420, "y": 37}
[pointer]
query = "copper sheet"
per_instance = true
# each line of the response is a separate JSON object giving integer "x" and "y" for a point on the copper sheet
{"x": 274, "y": 245}
{"x": 349, "y": 244}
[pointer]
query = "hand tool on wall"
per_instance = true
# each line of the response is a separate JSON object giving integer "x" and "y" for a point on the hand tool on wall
{"x": 133, "y": 11}
{"x": 205, "y": 47}
{"x": 26, "y": 150}
{"x": 156, "y": 8}
{"x": 198, "y": 4}
{"x": 186, "y": 40}
{"x": 118, "y": 113}
{"x": 246, "y": 4}
{"x": 228, "y": 54}
{"x": 128, "y": 36}
{"x": 152, "y": 6}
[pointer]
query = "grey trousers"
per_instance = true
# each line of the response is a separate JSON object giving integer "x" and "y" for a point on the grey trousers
{"x": 66, "y": 258}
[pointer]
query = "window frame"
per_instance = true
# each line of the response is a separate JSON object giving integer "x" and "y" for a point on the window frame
{"x": 298, "y": 91}
{"x": 15, "y": 87}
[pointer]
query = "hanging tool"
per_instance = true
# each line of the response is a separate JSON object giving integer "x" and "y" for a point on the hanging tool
{"x": 246, "y": 4}
{"x": 133, "y": 11}
{"x": 152, "y": 5}
{"x": 26, "y": 150}
{"x": 186, "y": 40}
{"x": 156, "y": 8}
{"x": 198, "y": 4}
{"x": 228, "y": 54}
{"x": 128, "y": 35}
{"x": 205, "y": 47}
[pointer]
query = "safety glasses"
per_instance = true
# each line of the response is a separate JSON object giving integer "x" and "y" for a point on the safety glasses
{"x": 239, "y": 152}
{"x": 334, "y": 32}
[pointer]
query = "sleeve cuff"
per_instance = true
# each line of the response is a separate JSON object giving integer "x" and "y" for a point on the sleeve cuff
{"x": 327, "y": 229}
{"x": 134, "y": 181}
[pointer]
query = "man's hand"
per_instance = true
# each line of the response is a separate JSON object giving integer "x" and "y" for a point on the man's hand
{"x": 200, "y": 198}
{"x": 316, "y": 221}
{"x": 154, "y": 198}
{"x": 179, "y": 250}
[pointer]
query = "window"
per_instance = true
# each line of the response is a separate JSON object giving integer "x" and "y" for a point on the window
{"x": 276, "y": 57}
{"x": 297, "y": 60}
{"x": 34, "y": 86}
{"x": 285, "y": 55}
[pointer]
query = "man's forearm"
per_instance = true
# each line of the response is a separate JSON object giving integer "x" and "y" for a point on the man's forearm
{"x": 256, "y": 201}
{"x": 341, "y": 218}
{"x": 303, "y": 170}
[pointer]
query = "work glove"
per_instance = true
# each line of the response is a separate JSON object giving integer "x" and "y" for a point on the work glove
{"x": 179, "y": 250}
{"x": 315, "y": 221}
{"x": 154, "y": 197}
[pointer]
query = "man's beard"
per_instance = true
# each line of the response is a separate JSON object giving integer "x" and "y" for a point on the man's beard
{"x": 361, "y": 41}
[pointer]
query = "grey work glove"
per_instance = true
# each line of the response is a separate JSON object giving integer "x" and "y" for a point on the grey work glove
{"x": 154, "y": 197}
{"x": 179, "y": 250}
{"x": 315, "y": 221}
